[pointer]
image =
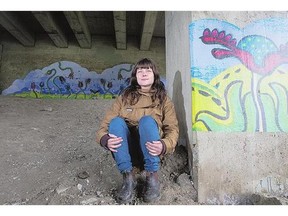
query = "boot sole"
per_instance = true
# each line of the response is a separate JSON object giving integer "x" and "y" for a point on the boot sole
{"x": 128, "y": 200}
{"x": 121, "y": 202}
{"x": 152, "y": 200}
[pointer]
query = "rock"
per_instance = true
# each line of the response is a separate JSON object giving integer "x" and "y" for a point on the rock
{"x": 79, "y": 186}
{"x": 61, "y": 189}
{"x": 48, "y": 109}
{"x": 83, "y": 175}
{"x": 183, "y": 180}
{"x": 89, "y": 201}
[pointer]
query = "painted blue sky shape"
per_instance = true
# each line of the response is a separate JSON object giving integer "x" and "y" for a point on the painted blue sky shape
{"x": 98, "y": 81}
{"x": 204, "y": 66}
{"x": 111, "y": 80}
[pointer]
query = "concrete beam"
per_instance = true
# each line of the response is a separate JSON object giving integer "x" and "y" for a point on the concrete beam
{"x": 16, "y": 28}
{"x": 148, "y": 29}
{"x": 120, "y": 29}
{"x": 78, "y": 24}
{"x": 51, "y": 26}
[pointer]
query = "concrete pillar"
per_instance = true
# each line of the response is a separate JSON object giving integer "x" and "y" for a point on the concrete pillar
{"x": 148, "y": 29}
{"x": 79, "y": 25}
{"x": 227, "y": 167}
{"x": 50, "y": 23}
{"x": 120, "y": 29}
{"x": 15, "y": 27}
{"x": 178, "y": 75}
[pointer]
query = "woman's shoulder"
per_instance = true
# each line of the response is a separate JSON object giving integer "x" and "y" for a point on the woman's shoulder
{"x": 167, "y": 98}
{"x": 118, "y": 99}
{"x": 168, "y": 101}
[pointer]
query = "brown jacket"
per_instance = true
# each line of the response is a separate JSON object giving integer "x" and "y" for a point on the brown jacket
{"x": 164, "y": 114}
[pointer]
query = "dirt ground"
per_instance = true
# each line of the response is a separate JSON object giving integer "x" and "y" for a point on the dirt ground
{"x": 49, "y": 157}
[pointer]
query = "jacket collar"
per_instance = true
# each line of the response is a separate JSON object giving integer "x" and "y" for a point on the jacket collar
{"x": 146, "y": 92}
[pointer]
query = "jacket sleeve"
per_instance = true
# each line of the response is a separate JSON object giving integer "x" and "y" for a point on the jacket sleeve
{"x": 169, "y": 126}
{"x": 110, "y": 114}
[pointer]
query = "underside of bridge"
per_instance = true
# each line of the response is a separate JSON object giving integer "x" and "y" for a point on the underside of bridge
{"x": 64, "y": 26}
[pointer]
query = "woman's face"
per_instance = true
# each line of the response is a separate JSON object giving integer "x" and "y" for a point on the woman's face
{"x": 145, "y": 77}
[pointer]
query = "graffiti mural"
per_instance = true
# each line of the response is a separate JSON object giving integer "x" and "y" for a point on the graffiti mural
{"x": 66, "y": 79}
{"x": 239, "y": 76}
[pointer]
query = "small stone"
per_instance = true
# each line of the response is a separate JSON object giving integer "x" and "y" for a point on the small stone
{"x": 184, "y": 181}
{"x": 79, "y": 186}
{"x": 83, "y": 175}
{"x": 48, "y": 109}
{"x": 89, "y": 201}
{"x": 61, "y": 189}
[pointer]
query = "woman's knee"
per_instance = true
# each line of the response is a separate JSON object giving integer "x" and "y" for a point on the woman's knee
{"x": 147, "y": 121}
{"x": 117, "y": 121}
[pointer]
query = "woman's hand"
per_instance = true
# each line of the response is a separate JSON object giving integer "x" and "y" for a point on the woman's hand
{"x": 114, "y": 142}
{"x": 154, "y": 148}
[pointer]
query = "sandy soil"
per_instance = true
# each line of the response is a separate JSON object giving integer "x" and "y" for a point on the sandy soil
{"x": 49, "y": 157}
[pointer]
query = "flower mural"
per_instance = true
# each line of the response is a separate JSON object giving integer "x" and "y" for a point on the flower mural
{"x": 66, "y": 79}
{"x": 244, "y": 88}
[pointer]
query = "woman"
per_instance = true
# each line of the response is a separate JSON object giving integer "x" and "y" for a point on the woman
{"x": 140, "y": 127}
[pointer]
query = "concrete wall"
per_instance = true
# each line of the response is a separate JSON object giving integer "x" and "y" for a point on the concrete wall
{"x": 18, "y": 60}
{"x": 178, "y": 76}
{"x": 227, "y": 167}
{"x": 234, "y": 167}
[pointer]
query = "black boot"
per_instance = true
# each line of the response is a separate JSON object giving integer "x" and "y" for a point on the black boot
{"x": 126, "y": 191}
{"x": 152, "y": 190}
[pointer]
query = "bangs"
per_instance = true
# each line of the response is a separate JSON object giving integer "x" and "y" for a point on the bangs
{"x": 144, "y": 64}
{"x": 143, "y": 67}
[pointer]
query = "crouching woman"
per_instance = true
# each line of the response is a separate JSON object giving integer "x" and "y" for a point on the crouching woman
{"x": 139, "y": 128}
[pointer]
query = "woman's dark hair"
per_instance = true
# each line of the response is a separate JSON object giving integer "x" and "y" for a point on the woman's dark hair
{"x": 131, "y": 94}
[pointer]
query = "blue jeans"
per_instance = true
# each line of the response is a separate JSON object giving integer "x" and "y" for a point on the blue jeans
{"x": 147, "y": 131}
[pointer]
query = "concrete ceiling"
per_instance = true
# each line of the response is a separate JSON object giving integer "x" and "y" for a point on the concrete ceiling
{"x": 61, "y": 26}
